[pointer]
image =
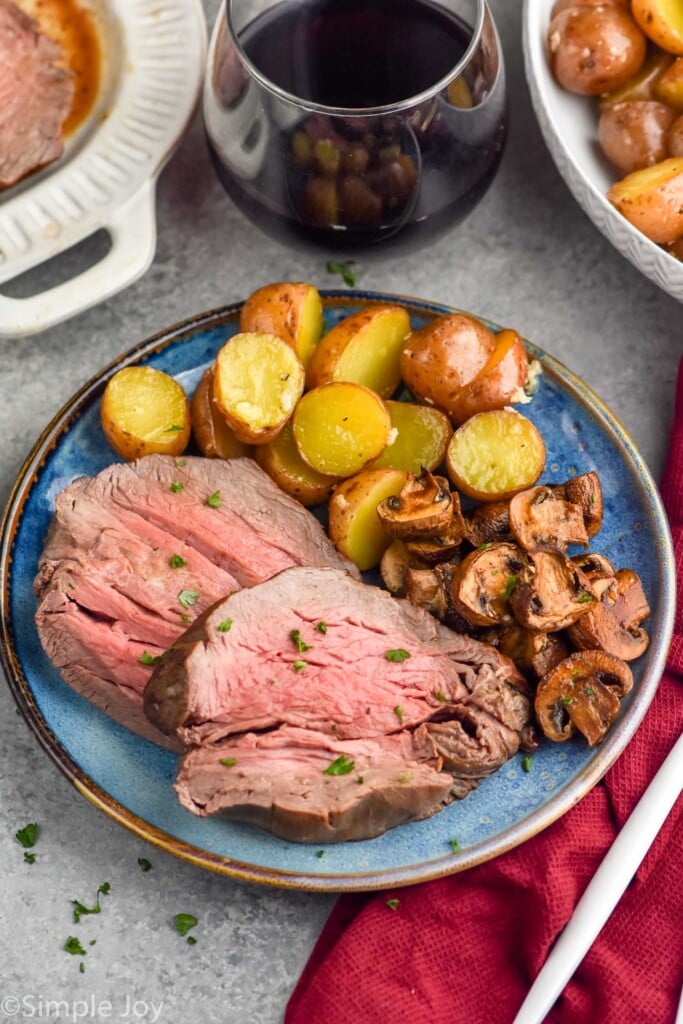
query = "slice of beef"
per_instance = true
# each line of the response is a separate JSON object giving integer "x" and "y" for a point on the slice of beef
{"x": 35, "y": 96}
{"x": 380, "y": 665}
{"x": 305, "y": 786}
{"x": 136, "y": 553}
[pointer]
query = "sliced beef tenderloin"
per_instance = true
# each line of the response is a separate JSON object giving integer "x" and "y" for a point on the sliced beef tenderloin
{"x": 305, "y": 786}
{"x": 35, "y": 96}
{"x": 135, "y": 554}
{"x": 317, "y": 649}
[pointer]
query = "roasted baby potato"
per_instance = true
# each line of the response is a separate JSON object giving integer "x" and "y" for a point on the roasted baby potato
{"x": 364, "y": 348}
{"x": 340, "y": 427}
{"x": 495, "y": 454}
{"x": 444, "y": 356}
{"x": 652, "y": 200}
{"x": 145, "y": 412}
{"x": 419, "y": 437}
{"x": 644, "y": 84}
{"x": 292, "y": 311}
{"x": 281, "y": 460}
{"x": 669, "y": 85}
{"x": 499, "y": 381}
{"x": 594, "y": 50}
{"x": 258, "y": 379}
{"x": 662, "y": 22}
{"x": 214, "y": 437}
{"x": 675, "y": 138}
{"x": 634, "y": 134}
{"x": 354, "y": 525}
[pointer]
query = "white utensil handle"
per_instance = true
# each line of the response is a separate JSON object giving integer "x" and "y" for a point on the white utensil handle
{"x": 133, "y": 241}
{"x": 605, "y": 888}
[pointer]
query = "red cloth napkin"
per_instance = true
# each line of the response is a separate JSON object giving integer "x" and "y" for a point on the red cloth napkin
{"x": 466, "y": 949}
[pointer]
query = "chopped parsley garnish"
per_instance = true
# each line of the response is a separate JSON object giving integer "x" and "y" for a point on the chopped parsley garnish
{"x": 81, "y": 967}
{"x": 229, "y": 762}
{"x": 27, "y": 835}
{"x": 441, "y": 697}
{"x": 144, "y": 864}
{"x": 484, "y": 547}
{"x": 214, "y": 500}
{"x": 191, "y": 941}
{"x": 224, "y": 626}
{"x": 298, "y": 665}
{"x": 343, "y": 268}
{"x": 526, "y": 764}
{"x": 300, "y": 645}
{"x": 73, "y": 946}
{"x": 404, "y": 778}
{"x": 321, "y": 627}
{"x": 80, "y": 910}
{"x": 360, "y": 780}
{"x": 398, "y": 655}
{"x": 454, "y": 845}
{"x": 584, "y": 599}
{"x": 393, "y": 904}
{"x": 188, "y": 597}
{"x": 30, "y": 858}
{"x": 589, "y": 691}
{"x": 184, "y": 922}
{"x": 320, "y": 853}
{"x": 177, "y": 562}
{"x": 149, "y": 659}
{"x": 180, "y": 463}
{"x": 398, "y": 711}
{"x": 510, "y": 585}
{"x": 342, "y": 766}
{"x": 176, "y": 487}
{"x": 175, "y": 429}
{"x": 185, "y": 618}
{"x": 566, "y": 701}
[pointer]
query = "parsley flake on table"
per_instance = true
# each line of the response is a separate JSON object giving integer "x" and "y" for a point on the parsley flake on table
{"x": 214, "y": 500}
{"x": 188, "y": 597}
{"x": 73, "y": 946}
{"x": 177, "y": 561}
{"x": 30, "y": 858}
{"x": 80, "y": 910}
{"x": 344, "y": 269}
{"x": 300, "y": 645}
{"x": 184, "y": 922}
{"x": 342, "y": 766}
{"x": 149, "y": 659}
{"x": 144, "y": 864}
{"x": 398, "y": 655}
{"x": 225, "y": 626}
{"x": 393, "y": 904}
{"x": 27, "y": 835}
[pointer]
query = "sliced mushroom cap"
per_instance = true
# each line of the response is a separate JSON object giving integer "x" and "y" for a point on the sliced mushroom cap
{"x": 426, "y": 588}
{"x": 489, "y": 523}
{"x": 585, "y": 491}
{"x": 583, "y": 692}
{"x": 395, "y": 563}
{"x": 484, "y": 581}
{"x": 541, "y": 520}
{"x": 612, "y": 623}
{"x": 423, "y": 508}
{"x": 551, "y": 594}
{"x": 533, "y": 652}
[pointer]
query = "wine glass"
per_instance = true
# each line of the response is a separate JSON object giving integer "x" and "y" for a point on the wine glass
{"x": 355, "y": 125}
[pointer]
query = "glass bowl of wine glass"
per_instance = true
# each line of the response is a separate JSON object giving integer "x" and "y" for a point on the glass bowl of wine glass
{"x": 355, "y": 125}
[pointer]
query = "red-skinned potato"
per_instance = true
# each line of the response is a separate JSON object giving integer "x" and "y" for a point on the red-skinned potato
{"x": 564, "y": 5}
{"x": 675, "y": 139}
{"x": 634, "y": 134}
{"x": 214, "y": 437}
{"x": 652, "y": 200}
{"x": 497, "y": 384}
{"x": 594, "y": 50}
{"x": 292, "y": 311}
{"x": 440, "y": 358}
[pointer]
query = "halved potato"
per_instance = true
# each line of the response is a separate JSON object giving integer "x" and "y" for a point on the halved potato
{"x": 354, "y": 525}
{"x": 214, "y": 437}
{"x": 419, "y": 437}
{"x": 634, "y": 134}
{"x": 364, "y": 348}
{"x": 281, "y": 460}
{"x": 292, "y": 311}
{"x": 440, "y": 358}
{"x": 652, "y": 200}
{"x": 499, "y": 382}
{"x": 495, "y": 454}
{"x": 675, "y": 137}
{"x": 144, "y": 412}
{"x": 662, "y": 22}
{"x": 258, "y": 379}
{"x": 669, "y": 86}
{"x": 340, "y": 427}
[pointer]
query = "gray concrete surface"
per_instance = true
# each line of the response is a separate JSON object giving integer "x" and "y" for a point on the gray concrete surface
{"x": 528, "y": 258}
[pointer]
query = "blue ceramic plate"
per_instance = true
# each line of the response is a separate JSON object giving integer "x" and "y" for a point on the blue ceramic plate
{"x": 130, "y": 779}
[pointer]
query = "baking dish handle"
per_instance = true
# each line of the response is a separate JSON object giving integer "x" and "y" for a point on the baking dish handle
{"x": 132, "y": 229}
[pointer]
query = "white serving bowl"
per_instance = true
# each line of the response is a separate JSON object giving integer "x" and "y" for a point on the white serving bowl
{"x": 569, "y": 126}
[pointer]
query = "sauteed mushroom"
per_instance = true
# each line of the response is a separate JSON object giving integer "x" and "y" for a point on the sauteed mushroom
{"x": 542, "y": 520}
{"x": 583, "y": 692}
{"x": 395, "y": 563}
{"x": 423, "y": 508}
{"x": 426, "y": 588}
{"x": 489, "y": 523}
{"x": 613, "y": 622}
{"x": 551, "y": 594}
{"x": 533, "y": 652}
{"x": 484, "y": 581}
{"x": 585, "y": 491}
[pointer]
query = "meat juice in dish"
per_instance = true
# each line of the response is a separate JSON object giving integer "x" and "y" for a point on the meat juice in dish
{"x": 346, "y": 182}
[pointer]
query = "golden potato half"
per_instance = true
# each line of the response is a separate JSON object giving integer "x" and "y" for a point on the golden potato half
{"x": 652, "y": 200}
{"x": 292, "y": 311}
{"x": 214, "y": 437}
{"x": 364, "y": 348}
{"x": 340, "y": 427}
{"x": 354, "y": 526}
{"x": 145, "y": 412}
{"x": 662, "y": 22}
{"x": 281, "y": 460}
{"x": 495, "y": 454}
{"x": 258, "y": 379}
